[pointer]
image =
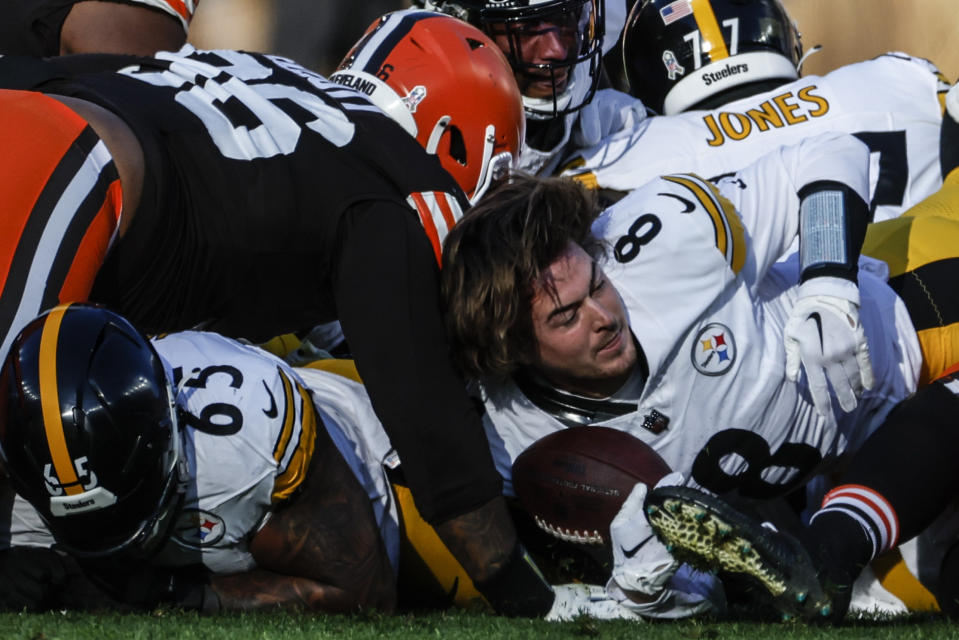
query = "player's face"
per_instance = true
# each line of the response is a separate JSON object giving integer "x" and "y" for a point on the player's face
{"x": 543, "y": 42}
{"x": 583, "y": 341}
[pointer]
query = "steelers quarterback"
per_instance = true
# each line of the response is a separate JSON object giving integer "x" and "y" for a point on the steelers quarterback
{"x": 749, "y": 375}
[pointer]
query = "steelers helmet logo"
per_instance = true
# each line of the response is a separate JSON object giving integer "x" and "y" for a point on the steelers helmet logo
{"x": 714, "y": 350}
{"x": 197, "y": 528}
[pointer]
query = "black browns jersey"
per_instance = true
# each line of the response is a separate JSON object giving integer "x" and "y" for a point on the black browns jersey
{"x": 251, "y": 160}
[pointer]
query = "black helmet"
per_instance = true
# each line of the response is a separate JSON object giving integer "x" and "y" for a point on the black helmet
{"x": 680, "y": 55}
{"x": 88, "y": 431}
{"x": 511, "y": 22}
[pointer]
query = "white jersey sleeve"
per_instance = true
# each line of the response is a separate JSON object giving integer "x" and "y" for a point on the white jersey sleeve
{"x": 704, "y": 237}
{"x": 20, "y": 524}
{"x": 249, "y": 426}
{"x": 681, "y": 221}
{"x": 248, "y": 422}
{"x": 359, "y": 435}
{"x": 765, "y": 193}
{"x": 893, "y": 103}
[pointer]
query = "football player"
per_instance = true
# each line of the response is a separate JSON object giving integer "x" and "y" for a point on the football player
{"x": 244, "y": 192}
{"x": 201, "y": 472}
{"x": 726, "y": 75}
{"x": 848, "y": 555}
{"x": 193, "y": 450}
{"x": 677, "y": 333}
{"x": 45, "y": 28}
{"x": 555, "y": 48}
{"x": 404, "y": 62}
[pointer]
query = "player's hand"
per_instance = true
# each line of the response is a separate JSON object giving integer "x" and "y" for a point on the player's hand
{"x": 30, "y": 578}
{"x": 824, "y": 333}
{"x": 641, "y": 562}
{"x": 578, "y": 599}
{"x": 608, "y": 112}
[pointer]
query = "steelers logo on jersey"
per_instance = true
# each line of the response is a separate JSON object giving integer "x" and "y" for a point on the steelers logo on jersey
{"x": 714, "y": 350}
{"x": 197, "y": 528}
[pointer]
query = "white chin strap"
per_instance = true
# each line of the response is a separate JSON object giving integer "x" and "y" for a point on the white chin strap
{"x": 486, "y": 168}
{"x": 491, "y": 168}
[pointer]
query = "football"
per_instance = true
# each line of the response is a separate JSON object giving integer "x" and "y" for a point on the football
{"x": 573, "y": 482}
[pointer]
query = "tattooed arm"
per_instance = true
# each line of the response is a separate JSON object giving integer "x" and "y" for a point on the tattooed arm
{"x": 322, "y": 551}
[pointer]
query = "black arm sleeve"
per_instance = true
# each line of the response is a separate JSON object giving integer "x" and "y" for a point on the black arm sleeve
{"x": 831, "y": 232}
{"x": 32, "y": 27}
{"x": 386, "y": 287}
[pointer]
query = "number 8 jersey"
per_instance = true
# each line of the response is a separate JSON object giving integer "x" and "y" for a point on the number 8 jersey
{"x": 707, "y": 301}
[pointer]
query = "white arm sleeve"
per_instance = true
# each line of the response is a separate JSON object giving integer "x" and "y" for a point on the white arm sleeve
{"x": 766, "y": 192}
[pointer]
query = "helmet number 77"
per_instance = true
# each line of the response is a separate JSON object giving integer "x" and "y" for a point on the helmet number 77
{"x": 695, "y": 39}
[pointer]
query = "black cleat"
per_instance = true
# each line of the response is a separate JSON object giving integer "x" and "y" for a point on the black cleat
{"x": 707, "y": 533}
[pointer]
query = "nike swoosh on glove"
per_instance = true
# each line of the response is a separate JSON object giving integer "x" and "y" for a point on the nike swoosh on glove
{"x": 640, "y": 561}
{"x": 825, "y": 335}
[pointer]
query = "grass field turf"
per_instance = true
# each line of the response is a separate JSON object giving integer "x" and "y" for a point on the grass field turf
{"x": 456, "y": 624}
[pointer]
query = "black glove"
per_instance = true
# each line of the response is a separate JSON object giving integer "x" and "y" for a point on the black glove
{"x": 146, "y": 587}
{"x": 30, "y": 578}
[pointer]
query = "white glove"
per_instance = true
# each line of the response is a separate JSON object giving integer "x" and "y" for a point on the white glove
{"x": 575, "y": 600}
{"x": 608, "y": 112}
{"x": 825, "y": 334}
{"x": 640, "y": 561}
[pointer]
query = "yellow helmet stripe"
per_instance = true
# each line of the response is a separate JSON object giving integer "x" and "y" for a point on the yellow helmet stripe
{"x": 713, "y": 42}
{"x": 50, "y": 402}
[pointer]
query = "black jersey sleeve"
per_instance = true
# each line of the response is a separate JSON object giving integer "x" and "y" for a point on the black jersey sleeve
{"x": 32, "y": 27}
{"x": 386, "y": 287}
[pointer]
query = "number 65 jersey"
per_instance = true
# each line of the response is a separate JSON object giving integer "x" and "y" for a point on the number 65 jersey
{"x": 248, "y": 424}
{"x": 707, "y": 301}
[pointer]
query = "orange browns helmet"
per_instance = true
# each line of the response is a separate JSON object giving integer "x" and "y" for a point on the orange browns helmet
{"x": 448, "y": 85}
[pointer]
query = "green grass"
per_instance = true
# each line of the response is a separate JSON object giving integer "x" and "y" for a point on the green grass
{"x": 455, "y": 624}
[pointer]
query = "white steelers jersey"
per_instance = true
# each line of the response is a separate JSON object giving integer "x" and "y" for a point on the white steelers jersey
{"x": 545, "y": 161}
{"x": 707, "y": 302}
{"x": 248, "y": 424}
{"x": 893, "y": 103}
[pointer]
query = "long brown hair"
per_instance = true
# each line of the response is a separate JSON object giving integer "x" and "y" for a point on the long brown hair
{"x": 493, "y": 258}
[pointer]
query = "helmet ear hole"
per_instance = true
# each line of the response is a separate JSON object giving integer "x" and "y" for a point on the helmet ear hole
{"x": 457, "y": 145}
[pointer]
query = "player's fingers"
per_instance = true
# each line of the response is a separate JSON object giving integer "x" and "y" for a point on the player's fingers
{"x": 846, "y": 384}
{"x": 865, "y": 368}
{"x": 818, "y": 389}
{"x": 792, "y": 359}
